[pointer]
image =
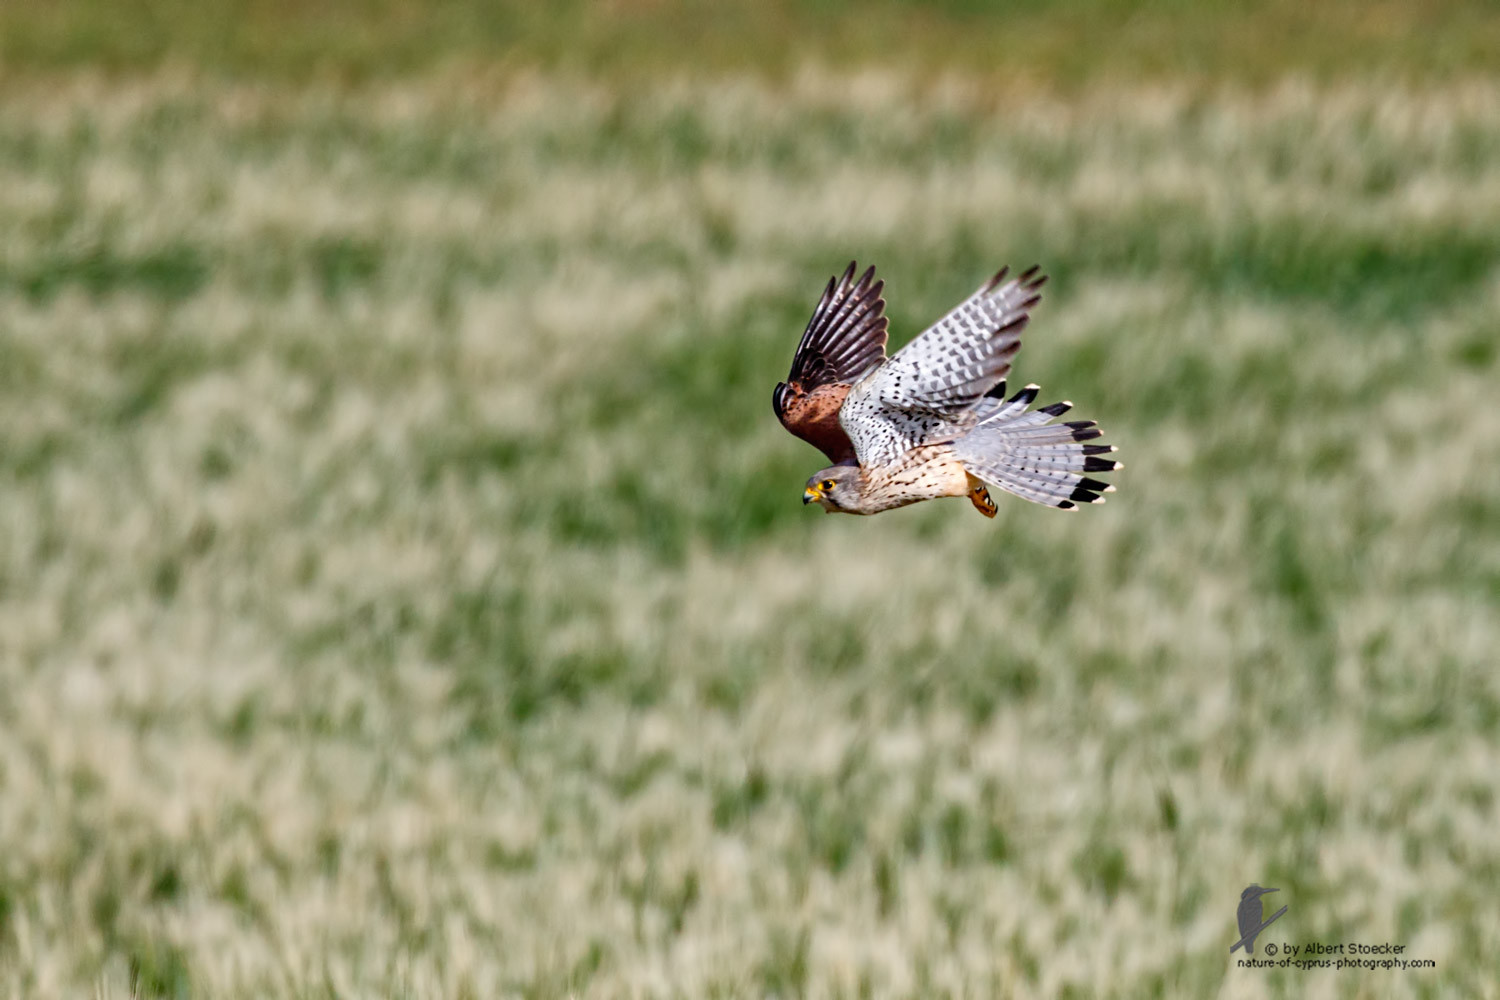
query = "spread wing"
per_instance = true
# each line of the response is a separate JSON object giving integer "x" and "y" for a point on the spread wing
{"x": 844, "y": 339}
{"x": 928, "y": 390}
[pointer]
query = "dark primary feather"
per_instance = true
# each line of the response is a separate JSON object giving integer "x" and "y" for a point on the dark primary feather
{"x": 845, "y": 338}
{"x": 846, "y": 335}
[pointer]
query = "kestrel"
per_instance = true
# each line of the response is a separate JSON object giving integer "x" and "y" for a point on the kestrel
{"x": 932, "y": 420}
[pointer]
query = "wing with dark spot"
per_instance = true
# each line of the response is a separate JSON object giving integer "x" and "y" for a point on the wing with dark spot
{"x": 844, "y": 339}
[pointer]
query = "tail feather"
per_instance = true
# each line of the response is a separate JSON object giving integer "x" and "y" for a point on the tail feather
{"x": 1037, "y": 458}
{"x": 997, "y": 409}
{"x": 1023, "y": 452}
{"x": 1039, "y": 496}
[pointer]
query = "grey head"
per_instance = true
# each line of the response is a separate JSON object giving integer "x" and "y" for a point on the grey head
{"x": 836, "y": 489}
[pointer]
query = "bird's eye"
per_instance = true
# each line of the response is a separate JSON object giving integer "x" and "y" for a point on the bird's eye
{"x": 826, "y": 484}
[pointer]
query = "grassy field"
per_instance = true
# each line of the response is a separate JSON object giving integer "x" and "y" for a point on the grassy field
{"x": 1051, "y": 44}
{"x": 405, "y": 590}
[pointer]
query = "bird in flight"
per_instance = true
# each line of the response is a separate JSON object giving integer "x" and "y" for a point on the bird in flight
{"x": 932, "y": 420}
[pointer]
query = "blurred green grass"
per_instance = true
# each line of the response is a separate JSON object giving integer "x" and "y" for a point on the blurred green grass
{"x": 404, "y": 585}
{"x": 399, "y": 547}
{"x": 1051, "y": 44}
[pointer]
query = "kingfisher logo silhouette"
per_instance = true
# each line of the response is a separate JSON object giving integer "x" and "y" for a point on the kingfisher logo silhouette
{"x": 1249, "y": 915}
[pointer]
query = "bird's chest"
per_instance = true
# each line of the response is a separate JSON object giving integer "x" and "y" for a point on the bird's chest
{"x": 922, "y": 474}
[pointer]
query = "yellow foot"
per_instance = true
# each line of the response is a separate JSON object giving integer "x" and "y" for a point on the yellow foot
{"x": 979, "y": 496}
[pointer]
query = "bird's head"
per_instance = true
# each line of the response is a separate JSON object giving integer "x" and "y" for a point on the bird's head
{"x": 1255, "y": 892}
{"x": 835, "y": 488}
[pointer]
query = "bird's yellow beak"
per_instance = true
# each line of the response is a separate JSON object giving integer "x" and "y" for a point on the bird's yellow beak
{"x": 811, "y": 493}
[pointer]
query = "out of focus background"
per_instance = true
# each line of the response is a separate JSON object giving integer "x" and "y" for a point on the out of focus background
{"x": 404, "y": 584}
